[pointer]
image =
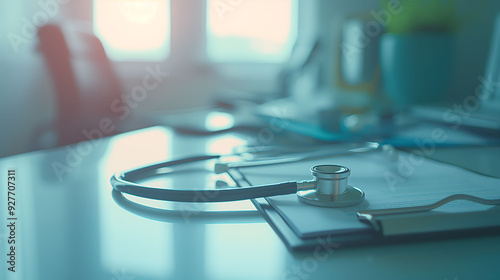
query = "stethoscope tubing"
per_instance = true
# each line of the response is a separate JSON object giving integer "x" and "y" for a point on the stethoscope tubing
{"x": 123, "y": 182}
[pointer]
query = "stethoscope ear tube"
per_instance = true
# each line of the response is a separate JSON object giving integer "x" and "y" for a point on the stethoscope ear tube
{"x": 145, "y": 171}
{"x": 329, "y": 187}
{"x": 124, "y": 186}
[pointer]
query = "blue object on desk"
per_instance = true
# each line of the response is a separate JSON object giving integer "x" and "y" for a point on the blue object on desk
{"x": 416, "y": 68}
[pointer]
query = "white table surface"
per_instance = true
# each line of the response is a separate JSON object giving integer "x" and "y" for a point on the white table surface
{"x": 69, "y": 226}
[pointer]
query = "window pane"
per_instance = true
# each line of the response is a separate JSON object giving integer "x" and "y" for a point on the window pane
{"x": 251, "y": 30}
{"x": 133, "y": 29}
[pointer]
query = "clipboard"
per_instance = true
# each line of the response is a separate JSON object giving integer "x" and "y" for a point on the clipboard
{"x": 385, "y": 229}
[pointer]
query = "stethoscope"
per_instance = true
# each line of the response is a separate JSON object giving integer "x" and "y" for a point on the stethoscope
{"x": 328, "y": 188}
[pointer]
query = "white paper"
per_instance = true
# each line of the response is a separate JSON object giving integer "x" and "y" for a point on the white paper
{"x": 388, "y": 182}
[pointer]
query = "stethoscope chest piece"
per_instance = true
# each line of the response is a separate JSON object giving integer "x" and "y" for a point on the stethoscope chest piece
{"x": 331, "y": 188}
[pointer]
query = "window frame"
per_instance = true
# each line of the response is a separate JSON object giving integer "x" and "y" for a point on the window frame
{"x": 188, "y": 50}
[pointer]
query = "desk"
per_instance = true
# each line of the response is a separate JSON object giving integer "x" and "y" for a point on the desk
{"x": 69, "y": 227}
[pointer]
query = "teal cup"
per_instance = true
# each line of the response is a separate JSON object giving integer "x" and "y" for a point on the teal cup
{"x": 416, "y": 67}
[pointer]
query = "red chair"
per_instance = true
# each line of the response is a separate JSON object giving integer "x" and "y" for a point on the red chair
{"x": 84, "y": 81}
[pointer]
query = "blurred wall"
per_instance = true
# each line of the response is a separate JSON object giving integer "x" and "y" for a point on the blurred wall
{"x": 25, "y": 87}
{"x": 473, "y": 38}
{"x": 473, "y": 45}
{"x": 27, "y": 94}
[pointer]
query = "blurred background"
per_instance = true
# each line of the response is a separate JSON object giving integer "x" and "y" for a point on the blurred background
{"x": 73, "y": 70}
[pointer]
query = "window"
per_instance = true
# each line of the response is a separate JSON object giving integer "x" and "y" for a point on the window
{"x": 251, "y": 30}
{"x": 133, "y": 29}
{"x": 261, "y": 31}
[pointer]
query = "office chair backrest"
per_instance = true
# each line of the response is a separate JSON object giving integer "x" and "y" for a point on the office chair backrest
{"x": 83, "y": 77}
{"x": 57, "y": 56}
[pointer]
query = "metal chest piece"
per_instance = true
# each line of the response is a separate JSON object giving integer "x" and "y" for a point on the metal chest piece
{"x": 331, "y": 188}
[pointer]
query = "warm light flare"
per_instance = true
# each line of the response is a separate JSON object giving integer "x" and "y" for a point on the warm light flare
{"x": 253, "y": 31}
{"x": 133, "y": 28}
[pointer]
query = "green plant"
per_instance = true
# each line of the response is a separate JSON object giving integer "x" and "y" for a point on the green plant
{"x": 422, "y": 16}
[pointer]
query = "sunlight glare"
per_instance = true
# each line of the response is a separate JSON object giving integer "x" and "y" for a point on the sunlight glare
{"x": 133, "y": 29}
{"x": 254, "y": 31}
